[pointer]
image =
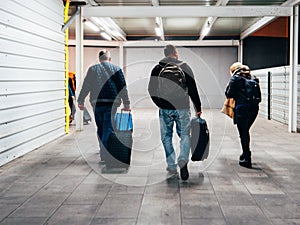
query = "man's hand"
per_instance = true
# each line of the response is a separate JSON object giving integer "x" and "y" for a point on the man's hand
{"x": 81, "y": 106}
{"x": 126, "y": 108}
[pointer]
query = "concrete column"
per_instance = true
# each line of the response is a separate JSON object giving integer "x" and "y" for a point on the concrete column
{"x": 293, "y": 82}
{"x": 79, "y": 68}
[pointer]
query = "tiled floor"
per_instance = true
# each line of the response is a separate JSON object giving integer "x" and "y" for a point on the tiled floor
{"x": 62, "y": 182}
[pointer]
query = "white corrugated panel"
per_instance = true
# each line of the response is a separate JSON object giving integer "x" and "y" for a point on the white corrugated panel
{"x": 279, "y": 92}
{"x": 298, "y": 115}
{"x": 32, "y": 75}
{"x": 262, "y": 75}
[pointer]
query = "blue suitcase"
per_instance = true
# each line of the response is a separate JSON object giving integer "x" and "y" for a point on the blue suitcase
{"x": 120, "y": 142}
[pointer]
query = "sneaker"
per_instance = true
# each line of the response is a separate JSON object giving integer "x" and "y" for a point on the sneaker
{"x": 184, "y": 173}
{"x": 245, "y": 163}
{"x": 102, "y": 162}
{"x": 172, "y": 171}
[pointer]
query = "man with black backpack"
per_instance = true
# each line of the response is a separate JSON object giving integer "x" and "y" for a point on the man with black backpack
{"x": 171, "y": 85}
{"x": 245, "y": 90}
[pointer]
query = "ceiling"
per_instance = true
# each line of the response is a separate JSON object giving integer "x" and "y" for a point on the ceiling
{"x": 181, "y": 27}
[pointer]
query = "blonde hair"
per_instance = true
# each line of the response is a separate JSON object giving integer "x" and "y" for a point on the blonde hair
{"x": 235, "y": 66}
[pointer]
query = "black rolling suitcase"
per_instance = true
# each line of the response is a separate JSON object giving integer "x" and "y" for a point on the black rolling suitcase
{"x": 199, "y": 139}
{"x": 120, "y": 142}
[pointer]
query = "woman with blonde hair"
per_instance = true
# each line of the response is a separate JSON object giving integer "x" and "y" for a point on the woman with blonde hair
{"x": 245, "y": 111}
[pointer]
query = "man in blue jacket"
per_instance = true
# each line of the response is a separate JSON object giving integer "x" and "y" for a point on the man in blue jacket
{"x": 107, "y": 87}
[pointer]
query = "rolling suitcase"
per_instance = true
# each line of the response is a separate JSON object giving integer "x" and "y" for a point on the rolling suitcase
{"x": 199, "y": 139}
{"x": 120, "y": 142}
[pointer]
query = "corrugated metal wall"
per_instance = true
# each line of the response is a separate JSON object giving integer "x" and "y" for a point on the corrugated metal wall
{"x": 32, "y": 89}
{"x": 298, "y": 113}
{"x": 263, "y": 81}
{"x": 279, "y": 93}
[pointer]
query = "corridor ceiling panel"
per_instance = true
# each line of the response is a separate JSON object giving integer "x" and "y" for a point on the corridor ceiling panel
{"x": 187, "y": 27}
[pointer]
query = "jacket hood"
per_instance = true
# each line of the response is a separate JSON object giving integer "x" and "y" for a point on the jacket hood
{"x": 166, "y": 60}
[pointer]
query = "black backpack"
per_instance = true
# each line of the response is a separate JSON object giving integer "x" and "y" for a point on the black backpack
{"x": 252, "y": 90}
{"x": 172, "y": 82}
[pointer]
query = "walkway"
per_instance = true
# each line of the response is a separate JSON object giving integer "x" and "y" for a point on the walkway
{"x": 62, "y": 182}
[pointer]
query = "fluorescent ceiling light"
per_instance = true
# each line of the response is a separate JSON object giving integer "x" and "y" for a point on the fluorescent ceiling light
{"x": 106, "y": 36}
{"x": 157, "y": 20}
{"x": 92, "y": 26}
{"x": 205, "y": 31}
{"x": 158, "y": 31}
{"x": 110, "y": 27}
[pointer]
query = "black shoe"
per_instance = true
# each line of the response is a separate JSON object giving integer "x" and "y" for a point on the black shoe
{"x": 245, "y": 162}
{"x": 102, "y": 162}
{"x": 184, "y": 173}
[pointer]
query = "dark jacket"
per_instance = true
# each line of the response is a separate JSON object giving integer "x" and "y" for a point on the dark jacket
{"x": 236, "y": 89}
{"x": 106, "y": 84}
{"x": 190, "y": 83}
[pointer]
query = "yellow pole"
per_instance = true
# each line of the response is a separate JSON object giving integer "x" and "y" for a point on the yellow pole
{"x": 66, "y": 17}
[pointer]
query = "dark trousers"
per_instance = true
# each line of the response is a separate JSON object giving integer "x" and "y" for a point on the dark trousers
{"x": 244, "y": 117}
{"x": 103, "y": 117}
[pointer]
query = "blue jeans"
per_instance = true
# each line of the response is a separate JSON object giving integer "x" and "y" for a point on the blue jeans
{"x": 103, "y": 117}
{"x": 181, "y": 117}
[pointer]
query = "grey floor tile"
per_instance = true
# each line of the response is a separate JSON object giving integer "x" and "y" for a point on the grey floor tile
{"x": 285, "y": 211}
{"x": 286, "y": 221}
{"x": 235, "y": 199}
{"x": 88, "y": 194}
{"x": 262, "y": 186}
{"x": 200, "y": 206}
{"x": 248, "y": 215}
{"x": 73, "y": 215}
{"x": 111, "y": 221}
{"x": 198, "y": 221}
{"x": 43, "y": 198}
{"x": 120, "y": 206}
{"x": 125, "y": 189}
{"x": 131, "y": 181}
{"x": 22, "y": 220}
{"x": 6, "y": 209}
{"x": 273, "y": 199}
{"x": 14, "y": 198}
{"x": 168, "y": 209}
{"x": 63, "y": 183}
{"x": 32, "y": 210}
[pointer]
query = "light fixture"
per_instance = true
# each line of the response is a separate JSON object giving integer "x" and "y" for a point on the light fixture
{"x": 110, "y": 27}
{"x": 205, "y": 31}
{"x": 105, "y": 35}
{"x": 92, "y": 26}
{"x": 158, "y": 31}
{"x": 159, "y": 27}
{"x": 207, "y": 26}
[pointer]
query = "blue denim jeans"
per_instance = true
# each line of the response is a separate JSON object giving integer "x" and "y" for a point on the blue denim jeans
{"x": 181, "y": 117}
{"x": 103, "y": 117}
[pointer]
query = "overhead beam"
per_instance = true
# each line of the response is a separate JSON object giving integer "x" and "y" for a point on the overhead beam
{"x": 266, "y": 20}
{"x": 256, "y": 26}
{"x": 128, "y": 44}
{"x": 186, "y": 11}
